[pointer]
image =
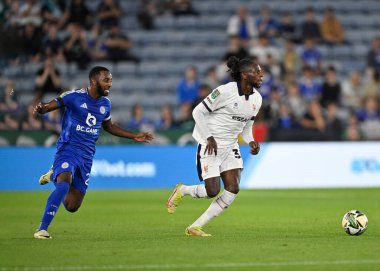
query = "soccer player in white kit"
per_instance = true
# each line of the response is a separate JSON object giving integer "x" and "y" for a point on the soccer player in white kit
{"x": 228, "y": 111}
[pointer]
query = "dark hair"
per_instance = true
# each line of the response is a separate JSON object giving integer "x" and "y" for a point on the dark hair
{"x": 236, "y": 66}
{"x": 95, "y": 71}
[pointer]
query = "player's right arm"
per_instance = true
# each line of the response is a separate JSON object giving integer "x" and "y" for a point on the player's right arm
{"x": 66, "y": 99}
{"x": 43, "y": 108}
{"x": 199, "y": 114}
{"x": 216, "y": 99}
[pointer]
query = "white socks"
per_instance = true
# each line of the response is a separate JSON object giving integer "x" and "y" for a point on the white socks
{"x": 196, "y": 191}
{"x": 216, "y": 208}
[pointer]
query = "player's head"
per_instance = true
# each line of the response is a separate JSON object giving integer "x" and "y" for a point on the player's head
{"x": 101, "y": 80}
{"x": 245, "y": 69}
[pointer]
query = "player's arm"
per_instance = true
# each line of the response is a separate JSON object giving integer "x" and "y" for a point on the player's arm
{"x": 199, "y": 115}
{"x": 43, "y": 108}
{"x": 116, "y": 130}
{"x": 248, "y": 138}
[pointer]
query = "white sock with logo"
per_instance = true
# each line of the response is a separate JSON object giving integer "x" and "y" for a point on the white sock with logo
{"x": 196, "y": 191}
{"x": 216, "y": 208}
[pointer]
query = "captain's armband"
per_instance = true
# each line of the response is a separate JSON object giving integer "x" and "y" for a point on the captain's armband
{"x": 60, "y": 102}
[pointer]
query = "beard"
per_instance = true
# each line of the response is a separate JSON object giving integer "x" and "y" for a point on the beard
{"x": 257, "y": 85}
{"x": 252, "y": 82}
{"x": 100, "y": 91}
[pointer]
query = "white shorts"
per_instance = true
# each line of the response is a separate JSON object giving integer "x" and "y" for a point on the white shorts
{"x": 209, "y": 166}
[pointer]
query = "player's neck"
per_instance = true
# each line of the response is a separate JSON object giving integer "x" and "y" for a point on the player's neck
{"x": 93, "y": 93}
{"x": 246, "y": 88}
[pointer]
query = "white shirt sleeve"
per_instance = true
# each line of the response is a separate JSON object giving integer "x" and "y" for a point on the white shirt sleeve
{"x": 216, "y": 99}
{"x": 247, "y": 132}
{"x": 199, "y": 115}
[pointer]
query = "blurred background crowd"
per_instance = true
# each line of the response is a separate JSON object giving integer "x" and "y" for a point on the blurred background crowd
{"x": 321, "y": 61}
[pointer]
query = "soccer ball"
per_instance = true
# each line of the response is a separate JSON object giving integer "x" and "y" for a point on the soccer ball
{"x": 355, "y": 222}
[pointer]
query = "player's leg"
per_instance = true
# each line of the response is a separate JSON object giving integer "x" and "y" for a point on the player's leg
{"x": 212, "y": 186}
{"x": 73, "y": 200}
{"x": 53, "y": 202}
{"x": 79, "y": 185}
{"x": 181, "y": 190}
{"x": 202, "y": 162}
{"x": 195, "y": 191}
{"x": 230, "y": 172}
{"x": 231, "y": 181}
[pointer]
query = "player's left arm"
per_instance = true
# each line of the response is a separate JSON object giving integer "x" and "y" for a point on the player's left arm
{"x": 114, "y": 129}
{"x": 248, "y": 138}
{"x": 247, "y": 132}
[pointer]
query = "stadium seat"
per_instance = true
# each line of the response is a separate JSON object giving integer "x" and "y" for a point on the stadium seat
{"x": 164, "y": 22}
{"x": 178, "y": 42}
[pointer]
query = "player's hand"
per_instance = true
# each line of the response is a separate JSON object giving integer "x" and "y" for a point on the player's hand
{"x": 39, "y": 108}
{"x": 211, "y": 146}
{"x": 255, "y": 147}
{"x": 143, "y": 137}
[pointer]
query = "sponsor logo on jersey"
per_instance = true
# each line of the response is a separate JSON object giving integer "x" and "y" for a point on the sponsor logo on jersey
{"x": 215, "y": 94}
{"x": 91, "y": 120}
{"x": 84, "y": 105}
{"x": 205, "y": 168}
{"x": 87, "y": 129}
{"x": 102, "y": 109}
{"x": 242, "y": 119}
{"x": 209, "y": 100}
{"x": 65, "y": 165}
{"x": 236, "y": 105}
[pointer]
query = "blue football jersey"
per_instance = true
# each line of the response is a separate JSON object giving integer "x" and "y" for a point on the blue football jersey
{"x": 82, "y": 121}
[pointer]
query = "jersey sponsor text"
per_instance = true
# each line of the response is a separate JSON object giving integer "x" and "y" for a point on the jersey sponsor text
{"x": 89, "y": 130}
{"x": 242, "y": 119}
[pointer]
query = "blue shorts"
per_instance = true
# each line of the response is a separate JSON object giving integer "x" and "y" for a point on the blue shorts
{"x": 79, "y": 167}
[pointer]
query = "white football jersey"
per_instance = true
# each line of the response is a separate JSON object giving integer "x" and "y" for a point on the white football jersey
{"x": 230, "y": 110}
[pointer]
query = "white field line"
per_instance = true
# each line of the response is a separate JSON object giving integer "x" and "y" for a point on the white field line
{"x": 189, "y": 266}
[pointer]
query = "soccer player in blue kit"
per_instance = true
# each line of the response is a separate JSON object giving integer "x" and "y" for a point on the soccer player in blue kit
{"x": 86, "y": 111}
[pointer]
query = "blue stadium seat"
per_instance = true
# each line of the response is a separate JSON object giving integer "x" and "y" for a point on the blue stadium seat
{"x": 164, "y": 22}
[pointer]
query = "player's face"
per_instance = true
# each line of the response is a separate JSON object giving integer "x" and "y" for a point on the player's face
{"x": 255, "y": 76}
{"x": 104, "y": 83}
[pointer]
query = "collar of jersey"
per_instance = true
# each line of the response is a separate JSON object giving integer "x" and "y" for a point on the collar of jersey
{"x": 241, "y": 93}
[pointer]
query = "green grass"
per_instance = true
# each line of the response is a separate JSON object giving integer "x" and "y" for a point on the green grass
{"x": 130, "y": 230}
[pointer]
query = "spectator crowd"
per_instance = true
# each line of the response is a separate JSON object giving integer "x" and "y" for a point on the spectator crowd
{"x": 305, "y": 97}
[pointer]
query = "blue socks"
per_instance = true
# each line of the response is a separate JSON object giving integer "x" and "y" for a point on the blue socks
{"x": 52, "y": 204}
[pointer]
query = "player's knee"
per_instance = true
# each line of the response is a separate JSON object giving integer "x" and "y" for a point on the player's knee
{"x": 212, "y": 192}
{"x": 71, "y": 208}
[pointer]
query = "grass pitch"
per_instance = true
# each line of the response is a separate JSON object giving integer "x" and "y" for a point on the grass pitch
{"x": 130, "y": 230}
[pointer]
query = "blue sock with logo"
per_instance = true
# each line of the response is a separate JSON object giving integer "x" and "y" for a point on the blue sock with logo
{"x": 53, "y": 203}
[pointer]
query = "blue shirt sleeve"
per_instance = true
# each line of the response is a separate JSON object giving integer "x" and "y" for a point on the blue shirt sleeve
{"x": 68, "y": 97}
{"x": 108, "y": 114}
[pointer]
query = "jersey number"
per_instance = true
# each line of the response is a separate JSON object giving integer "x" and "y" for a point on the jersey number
{"x": 236, "y": 152}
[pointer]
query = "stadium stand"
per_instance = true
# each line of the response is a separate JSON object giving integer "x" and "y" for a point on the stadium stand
{"x": 177, "y": 42}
